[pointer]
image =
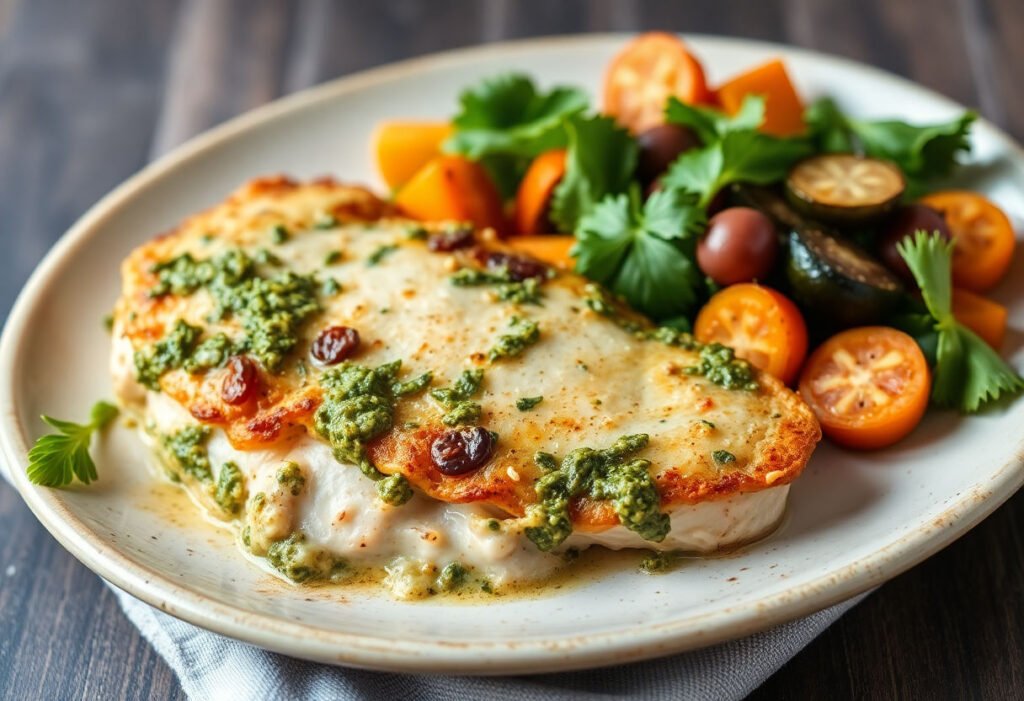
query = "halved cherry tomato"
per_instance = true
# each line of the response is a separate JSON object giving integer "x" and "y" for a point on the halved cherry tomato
{"x": 982, "y": 316}
{"x": 645, "y": 73}
{"x": 760, "y": 324}
{"x": 983, "y": 234}
{"x": 868, "y": 386}
{"x": 535, "y": 190}
{"x": 552, "y": 249}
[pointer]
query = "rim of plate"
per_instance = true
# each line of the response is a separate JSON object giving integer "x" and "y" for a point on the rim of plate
{"x": 483, "y": 657}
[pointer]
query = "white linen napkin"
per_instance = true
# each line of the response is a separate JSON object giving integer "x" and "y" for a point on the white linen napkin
{"x": 210, "y": 666}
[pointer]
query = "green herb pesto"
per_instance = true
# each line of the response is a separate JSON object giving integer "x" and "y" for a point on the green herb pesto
{"x": 602, "y": 475}
{"x": 415, "y": 232}
{"x": 279, "y": 234}
{"x": 527, "y": 403}
{"x": 170, "y": 352}
{"x": 291, "y": 478}
{"x": 545, "y": 461}
{"x": 526, "y": 291}
{"x": 330, "y": 287}
{"x": 660, "y": 562}
{"x": 270, "y": 309}
{"x": 211, "y": 353}
{"x": 522, "y": 333}
{"x": 358, "y": 406}
{"x": 188, "y": 448}
{"x": 723, "y": 457}
{"x": 720, "y": 365}
{"x": 230, "y": 491}
{"x": 380, "y": 254}
{"x": 300, "y": 562}
{"x": 452, "y": 577}
{"x": 456, "y": 399}
{"x": 265, "y": 257}
{"x": 332, "y": 257}
{"x": 601, "y": 301}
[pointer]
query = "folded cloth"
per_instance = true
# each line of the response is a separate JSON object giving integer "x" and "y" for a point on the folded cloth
{"x": 210, "y": 666}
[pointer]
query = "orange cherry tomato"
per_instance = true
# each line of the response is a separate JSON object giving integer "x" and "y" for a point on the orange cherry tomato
{"x": 535, "y": 190}
{"x": 645, "y": 73}
{"x": 760, "y": 324}
{"x": 982, "y": 316}
{"x": 868, "y": 386}
{"x": 402, "y": 148}
{"x": 983, "y": 234}
{"x": 452, "y": 188}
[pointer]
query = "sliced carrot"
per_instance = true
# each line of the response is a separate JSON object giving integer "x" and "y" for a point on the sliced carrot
{"x": 452, "y": 188}
{"x": 402, "y": 148}
{"x": 552, "y": 249}
{"x": 982, "y": 316}
{"x": 784, "y": 111}
{"x": 642, "y": 77}
{"x": 535, "y": 190}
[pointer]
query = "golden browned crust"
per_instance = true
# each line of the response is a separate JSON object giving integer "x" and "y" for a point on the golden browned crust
{"x": 628, "y": 384}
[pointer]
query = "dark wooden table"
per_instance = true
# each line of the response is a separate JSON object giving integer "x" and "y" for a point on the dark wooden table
{"x": 90, "y": 90}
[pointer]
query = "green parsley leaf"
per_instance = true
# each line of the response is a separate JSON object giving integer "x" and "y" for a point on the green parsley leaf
{"x": 57, "y": 458}
{"x": 968, "y": 373}
{"x": 646, "y": 254}
{"x": 710, "y": 124}
{"x": 922, "y": 152}
{"x": 739, "y": 156}
{"x": 600, "y": 161}
{"x": 505, "y": 121}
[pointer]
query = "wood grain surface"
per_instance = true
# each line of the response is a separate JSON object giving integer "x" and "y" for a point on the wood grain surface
{"x": 90, "y": 90}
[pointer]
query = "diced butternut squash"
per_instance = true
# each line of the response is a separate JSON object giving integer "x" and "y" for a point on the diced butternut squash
{"x": 981, "y": 315}
{"x": 552, "y": 249}
{"x": 535, "y": 190}
{"x": 784, "y": 111}
{"x": 452, "y": 188}
{"x": 402, "y": 148}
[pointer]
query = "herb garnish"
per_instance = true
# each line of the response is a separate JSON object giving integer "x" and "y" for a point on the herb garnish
{"x": 968, "y": 373}
{"x": 526, "y": 291}
{"x": 187, "y": 447}
{"x": 522, "y": 333}
{"x": 720, "y": 365}
{"x": 380, "y": 254}
{"x": 230, "y": 491}
{"x": 723, "y": 457}
{"x": 57, "y": 459}
{"x": 527, "y": 403}
{"x": 456, "y": 399}
{"x": 645, "y": 253}
{"x": 279, "y": 234}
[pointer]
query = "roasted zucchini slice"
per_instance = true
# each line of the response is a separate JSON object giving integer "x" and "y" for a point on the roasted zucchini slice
{"x": 844, "y": 189}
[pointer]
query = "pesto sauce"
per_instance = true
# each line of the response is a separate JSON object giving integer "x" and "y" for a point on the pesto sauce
{"x": 270, "y": 309}
{"x": 601, "y": 475}
{"x": 723, "y": 457}
{"x": 170, "y": 352}
{"x": 522, "y": 333}
{"x": 380, "y": 254}
{"x": 359, "y": 405}
{"x": 526, "y": 291}
{"x": 291, "y": 478}
{"x": 456, "y": 399}
{"x": 230, "y": 491}
{"x": 300, "y": 562}
{"x": 528, "y": 403}
{"x": 188, "y": 448}
{"x": 452, "y": 577}
{"x": 720, "y": 365}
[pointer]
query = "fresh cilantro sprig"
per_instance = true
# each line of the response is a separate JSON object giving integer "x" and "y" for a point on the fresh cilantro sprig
{"x": 57, "y": 458}
{"x": 739, "y": 155}
{"x": 504, "y": 121}
{"x": 968, "y": 373}
{"x": 645, "y": 253}
{"x": 600, "y": 160}
{"x": 922, "y": 152}
{"x": 710, "y": 124}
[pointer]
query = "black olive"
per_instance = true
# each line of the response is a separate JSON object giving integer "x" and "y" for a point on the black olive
{"x": 463, "y": 450}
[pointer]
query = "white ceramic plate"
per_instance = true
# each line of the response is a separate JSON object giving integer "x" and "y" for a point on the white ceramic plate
{"x": 854, "y": 520}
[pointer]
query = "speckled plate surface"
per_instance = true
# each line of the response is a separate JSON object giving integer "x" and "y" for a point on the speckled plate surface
{"x": 854, "y": 520}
